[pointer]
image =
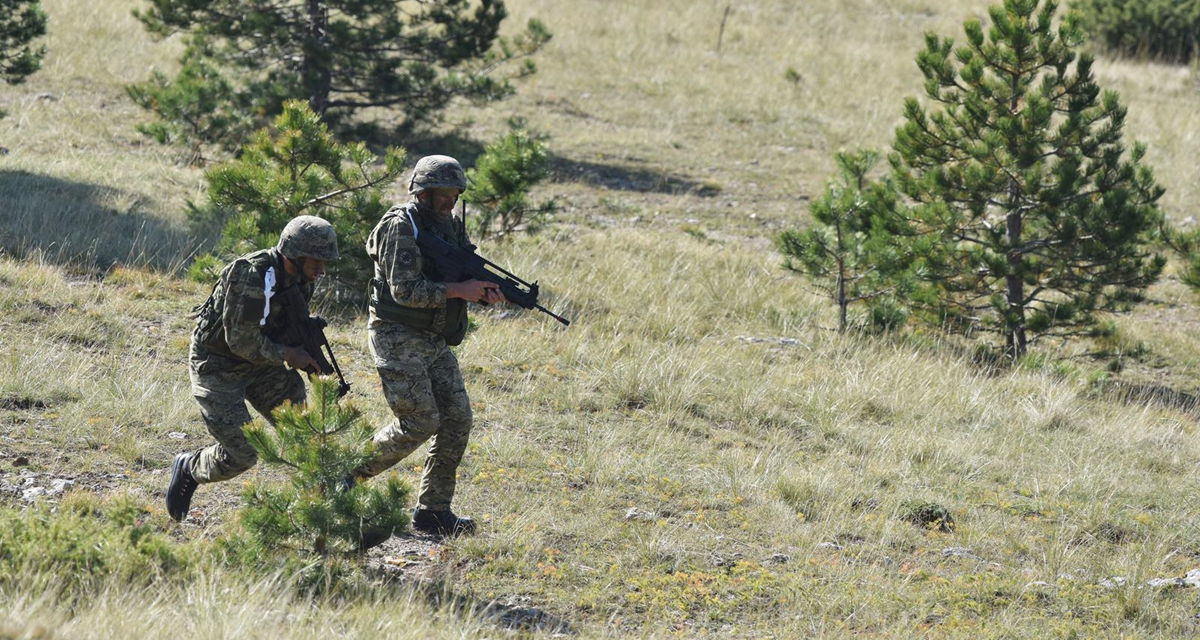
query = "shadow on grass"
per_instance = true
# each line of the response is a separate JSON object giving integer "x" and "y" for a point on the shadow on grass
{"x": 615, "y": 177}
{"x": 86, "y": 226}
{"x": 1155, "y": 395}
{"x": 620, "y": 177}
{"x": 418, "y": 144}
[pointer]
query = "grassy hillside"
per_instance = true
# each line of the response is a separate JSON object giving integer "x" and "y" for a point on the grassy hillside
{"x": 698, "y": 453}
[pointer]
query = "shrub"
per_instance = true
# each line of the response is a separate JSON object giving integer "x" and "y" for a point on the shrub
{"x": 1158, "y": 29}
{"x": 299, "y": 169}
{"x": 21, "y": 21}
{"x": 500, "y": 183}
{"x": 320, "y": 445}
{"x": 87, "y": 542}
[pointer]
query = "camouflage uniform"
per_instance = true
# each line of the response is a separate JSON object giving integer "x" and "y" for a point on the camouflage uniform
{"x": 419, "y": 374}
{"x": 235, "y": 352}
{"x": 233, "y": 359}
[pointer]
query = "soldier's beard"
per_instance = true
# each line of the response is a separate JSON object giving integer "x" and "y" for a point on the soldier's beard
{"x": 302, "y": 272}
{"x": 425, "y": 206}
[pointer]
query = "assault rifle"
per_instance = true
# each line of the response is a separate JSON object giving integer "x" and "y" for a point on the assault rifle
{"x": 308, "y": 332}
{"x": 462, "y": 263}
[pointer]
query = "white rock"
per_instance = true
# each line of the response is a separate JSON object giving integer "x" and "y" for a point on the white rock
{"x": 1114, "y": 582}
{"x": 61, "y": 485}
{"x": 959, "y": 552}
{"x": 635, "y": 513}
{"x": 33, "y": 494}
{"x": 177, "y": 435}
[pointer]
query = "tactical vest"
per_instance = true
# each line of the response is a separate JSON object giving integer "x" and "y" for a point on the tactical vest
{"x": 209, "y": 331}
{"x": 453, "y": 325}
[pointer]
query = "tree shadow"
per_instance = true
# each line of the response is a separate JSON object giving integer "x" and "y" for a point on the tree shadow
{"x": 86, "y": 226}
{"x": 613, "y": 177}
{"x": 622, "y": 177}
{"x": 1155, "y": 395}
{"x": 417, "y": 144}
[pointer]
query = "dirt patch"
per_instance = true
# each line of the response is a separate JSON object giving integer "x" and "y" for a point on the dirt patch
{"x": 420, "y": 561}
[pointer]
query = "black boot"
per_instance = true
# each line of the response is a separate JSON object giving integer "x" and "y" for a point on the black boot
{"x": 371, "y": 537}
{"x": 441, "y": 523}
{"x": 183, "y": 485}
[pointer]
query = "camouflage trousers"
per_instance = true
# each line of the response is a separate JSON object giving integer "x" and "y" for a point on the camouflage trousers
{"x": 424, "y": 388}
{"x": 222, "y": 387}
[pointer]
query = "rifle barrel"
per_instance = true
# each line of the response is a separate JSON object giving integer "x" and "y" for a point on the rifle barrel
{"x": 566, "y": 323}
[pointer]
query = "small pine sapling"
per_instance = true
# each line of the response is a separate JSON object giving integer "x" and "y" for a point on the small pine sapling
{"x": 501, "y": 181}
{"x": 319, "y": 445}
{"x": 843, "y": 251}
{"x": 298, "y": 169}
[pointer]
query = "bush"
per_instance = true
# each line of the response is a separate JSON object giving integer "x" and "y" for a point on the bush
{"x": 1158, "y": 29}
{"x": 321, "y": 444}
{"x": 86, "y": 543}
{"x": 299, "y": 169}
{"x": 501, "y": 181}
{"x": 929, "y": 515}
{"x": 21, "y": 21}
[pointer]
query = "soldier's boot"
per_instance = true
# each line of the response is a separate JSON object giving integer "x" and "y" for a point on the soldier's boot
{"x": 371, "y": 537}
{"x": 183, "y": 485}
{"x": 368, "y": 537}
{"x": 441, "y": 523}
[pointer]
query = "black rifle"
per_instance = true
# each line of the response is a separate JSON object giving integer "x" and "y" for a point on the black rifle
{"x": 462, "y": 263}
{"x": 308, "y": 332}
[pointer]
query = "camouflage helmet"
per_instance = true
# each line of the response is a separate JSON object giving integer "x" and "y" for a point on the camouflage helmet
{"x": 434, "y": 172}
{"x": 308, "y": 237}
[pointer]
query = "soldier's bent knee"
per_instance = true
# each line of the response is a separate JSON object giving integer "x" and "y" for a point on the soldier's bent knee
{"x": 242, "y": 461}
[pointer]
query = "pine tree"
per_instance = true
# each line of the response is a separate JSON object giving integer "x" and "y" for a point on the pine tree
{"x": 298, "y": 170}
{"x": 21, "y": 22}
{"x": 842, "y": 251}
{"x": 1028, "y": 216}
{"x": 501, "y": 180}
{"x": 248, "y": 57}
{"x": 319, "y": 445}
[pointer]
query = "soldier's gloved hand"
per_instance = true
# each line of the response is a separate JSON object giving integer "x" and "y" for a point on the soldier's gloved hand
{"x": 297, "y": 358}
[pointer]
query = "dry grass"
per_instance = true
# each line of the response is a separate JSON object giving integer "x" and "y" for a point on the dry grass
{"x": 775, "y": 479}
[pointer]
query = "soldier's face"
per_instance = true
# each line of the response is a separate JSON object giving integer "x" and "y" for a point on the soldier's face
{"x": 442, "y": 201}
{"x": 311, "y": 269}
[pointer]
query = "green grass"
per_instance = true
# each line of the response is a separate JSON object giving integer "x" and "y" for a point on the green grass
{"x": 780, "y": 488}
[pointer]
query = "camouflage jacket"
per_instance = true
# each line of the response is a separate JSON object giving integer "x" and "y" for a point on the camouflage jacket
{"x": 412, "y": 280}
{"x": 242, "y": 321}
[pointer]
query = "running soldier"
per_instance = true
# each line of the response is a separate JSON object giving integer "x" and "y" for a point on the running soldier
{"x": 415, "y": 318}
{"x": 236, "y": 354}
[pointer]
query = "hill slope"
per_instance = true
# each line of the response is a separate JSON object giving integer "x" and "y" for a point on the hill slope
{"x": 697, "y": 453}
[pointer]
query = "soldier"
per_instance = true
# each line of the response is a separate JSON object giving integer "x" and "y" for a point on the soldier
{"x": 415, "y": 317}
{"x": 236, "y": 355}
